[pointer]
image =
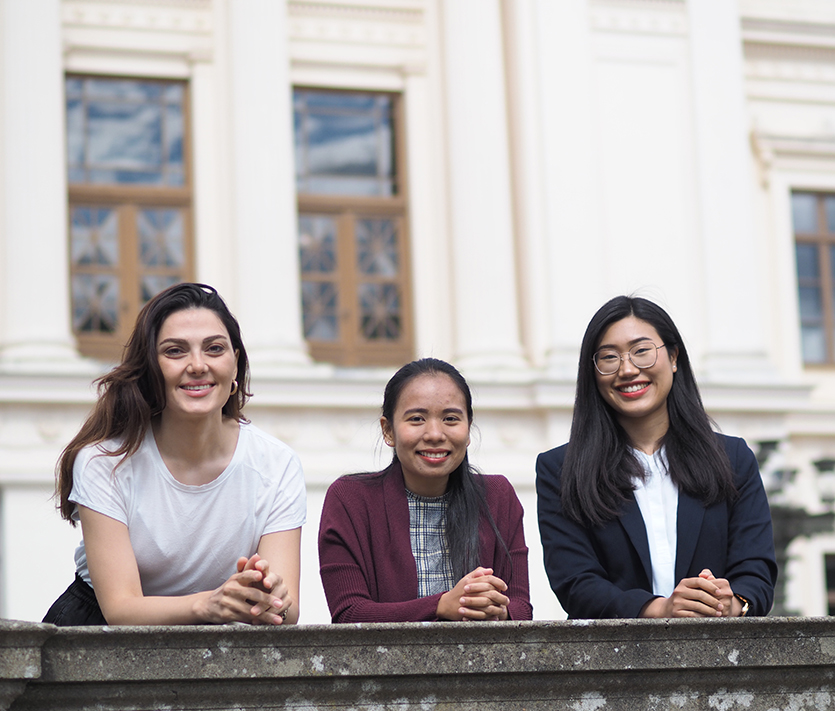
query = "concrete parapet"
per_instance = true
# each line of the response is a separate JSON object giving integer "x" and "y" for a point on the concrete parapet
{"x": 752, "y": 664}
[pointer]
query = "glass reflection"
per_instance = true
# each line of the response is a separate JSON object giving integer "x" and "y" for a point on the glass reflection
{"x": 151, "y": 284}
{"x": 807, "y": 261}
{"x": 379, "y": 311}
{"x": 94, "y": 236}
{"x": 813, "y": 344}
{"x": 811, "y": 304}
{"x": 320, "y": 310}
{"x": 344, "y": 143}
{"x": 95, "y": 302}
{"x": 317, "y": 243}
{"x": 125, "y": 132}
{"x": 377, "y": 247}
{"x": 804, "y": 212}
{"x": 161, "y": 238}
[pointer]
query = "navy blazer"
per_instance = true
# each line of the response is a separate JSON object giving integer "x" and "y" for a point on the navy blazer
{"x": 605, "y": 571}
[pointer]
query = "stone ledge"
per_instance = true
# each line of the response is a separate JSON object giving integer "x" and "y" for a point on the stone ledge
{"x": 769, "y": 663}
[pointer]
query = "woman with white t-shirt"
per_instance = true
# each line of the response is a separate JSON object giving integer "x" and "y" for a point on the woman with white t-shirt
{"x": 189, "y": 514}
{"x": 647, "y": 512}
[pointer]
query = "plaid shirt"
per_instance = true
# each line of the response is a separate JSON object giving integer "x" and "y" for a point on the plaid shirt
{"x": 427, "y": 531}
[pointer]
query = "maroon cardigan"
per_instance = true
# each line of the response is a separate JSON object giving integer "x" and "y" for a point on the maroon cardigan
{"x": 365, "y": 553}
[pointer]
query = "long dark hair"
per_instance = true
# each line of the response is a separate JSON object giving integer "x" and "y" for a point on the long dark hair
{"x": 467, "y": 504}
{"x": 599, "y": 465}
{"x": 131, "y": 394}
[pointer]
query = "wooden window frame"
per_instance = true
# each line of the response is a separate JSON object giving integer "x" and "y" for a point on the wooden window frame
{"x": 127, "y": 200}
{"x": 351, "y": 349}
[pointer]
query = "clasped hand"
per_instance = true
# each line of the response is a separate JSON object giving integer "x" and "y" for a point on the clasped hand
{"x": 253, "y": 594}
{"x": 702, "y": 596}
{"x": 479, "y": 595}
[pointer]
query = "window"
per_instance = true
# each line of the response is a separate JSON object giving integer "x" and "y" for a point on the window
{"x": 813, "y": 215}
{"x": 352, "y": 227}
{"x": 129, "y": 202}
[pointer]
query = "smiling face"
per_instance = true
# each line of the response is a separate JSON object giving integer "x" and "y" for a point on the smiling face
{"x": 429, "y": 431}
{"x": 197, "y": 361}
{"x": 637, "y": 395}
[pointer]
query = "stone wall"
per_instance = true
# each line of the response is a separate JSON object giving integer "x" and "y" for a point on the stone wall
{"x": 771, "y": 663}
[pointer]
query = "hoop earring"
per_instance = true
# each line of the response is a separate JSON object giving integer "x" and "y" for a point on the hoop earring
{"x": 234, "y": 388}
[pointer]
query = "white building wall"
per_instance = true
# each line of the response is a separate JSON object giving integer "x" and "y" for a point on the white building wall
{"x": 618, "y": 145}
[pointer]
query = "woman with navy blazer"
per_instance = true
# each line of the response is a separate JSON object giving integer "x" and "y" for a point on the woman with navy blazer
{"x": 647, "y": 512}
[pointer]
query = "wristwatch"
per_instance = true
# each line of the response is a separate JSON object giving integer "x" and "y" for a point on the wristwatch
{"x": 745, "y": 605}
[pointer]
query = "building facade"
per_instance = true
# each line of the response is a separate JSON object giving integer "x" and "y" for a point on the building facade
{"x": 368, "y": 182}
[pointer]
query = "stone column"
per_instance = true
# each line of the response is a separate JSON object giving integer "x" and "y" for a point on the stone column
{"x": 573, "y": 241}
{"x": 264, "y": 201}
{"x": 735, "y": 348}
{"x": 34, "y": 273}
{"x": 524, "y": 76}
{"x": 484, "y": 278}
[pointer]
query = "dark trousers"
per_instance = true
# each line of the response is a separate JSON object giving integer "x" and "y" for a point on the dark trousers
{"x": 76, "y": 606}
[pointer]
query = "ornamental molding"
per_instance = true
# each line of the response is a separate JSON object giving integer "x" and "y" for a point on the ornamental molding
{"x": 334, "y": 30}
{"x": 792, "y": 11}
{"x": 643, "y": 17}
{"x": 790, "y": 63}
{"x": 180, "y": 16}
{"x": 194, "y": 4}
{"x": 801, "y": 152}
{"x": 778, "y": 33}
{"x": 402, "y": 11}
{"x": 369, "y": 24}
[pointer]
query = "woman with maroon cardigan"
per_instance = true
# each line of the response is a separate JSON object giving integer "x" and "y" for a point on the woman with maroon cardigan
{"x": 429, "y": 537}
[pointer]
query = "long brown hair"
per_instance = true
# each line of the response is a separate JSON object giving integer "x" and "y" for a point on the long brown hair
{"x": 131, "y": 394}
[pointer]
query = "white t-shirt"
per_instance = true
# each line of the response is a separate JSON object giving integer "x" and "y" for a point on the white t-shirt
{"x": 187, "y": 539}
{"x": 657, "y": 499}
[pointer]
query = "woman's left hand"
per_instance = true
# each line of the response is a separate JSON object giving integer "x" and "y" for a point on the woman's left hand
{"x": 479, "y": 595}
{"x": 731, "y": 606}
{"x": 270, "y": 582}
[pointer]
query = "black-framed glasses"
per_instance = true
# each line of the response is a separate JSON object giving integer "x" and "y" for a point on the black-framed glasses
{"x": 642, "y": 355}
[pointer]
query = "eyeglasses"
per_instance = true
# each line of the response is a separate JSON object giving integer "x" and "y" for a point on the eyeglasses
{"x": 642, "y": 355}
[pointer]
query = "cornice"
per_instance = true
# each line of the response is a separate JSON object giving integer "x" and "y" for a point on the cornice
{"x": 790, "y": 63}
{"x": 810, "y": 12}
{"x": 652, "y": 17}
{"x": 181, "y": 16}
{"x": 371, "y": 24}
{"x": 402, "y": 11}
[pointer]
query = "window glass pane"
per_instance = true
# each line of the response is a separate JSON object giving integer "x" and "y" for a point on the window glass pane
{"x": 173, "y": 93}
{"x": 807, "y": 261}
{"x": 161, "y": 238}
{"x": 75, "y": 134}
{"x": 338, "y": 100}
{"x": 151, "y": 284}
{"x": 813, "y": 340}
{"x": 320, "y": 305}
{"x": 126, "y": 136}
{"x": 74, "y": 87}
{"x": 341, "y": 145}
{"x": 123, "y": 132}
{"x": 95, "y": 303}
{"x": 811, "y": 304}
{"x": 317, "y": 244}
{"x": 380, "y": 317}
{"x": 94, "y": 236}
{"x": 123, "y": 90}
{"x": 346, "y": 186}
{"x": 344, "y": 143}
{"x": 377, "y": 247}
{"x": 174, "y": 134}
{"x": 829, "y": 209}
{"x": 804, "y": 212}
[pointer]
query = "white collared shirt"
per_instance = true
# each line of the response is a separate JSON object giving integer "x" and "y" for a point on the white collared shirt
{"x": 657, "y": 499}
